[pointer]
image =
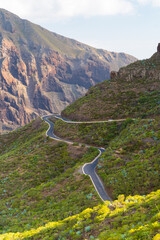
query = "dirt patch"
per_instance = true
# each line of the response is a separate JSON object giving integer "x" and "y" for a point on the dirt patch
{"x": 76, "y": 151}
{"x": 36, "y": 124}
{"x": 55, "y": 189}
{"x": 78, "y": 174}
{"x": 50, "y": 192}
{"x": 148, "y": 140}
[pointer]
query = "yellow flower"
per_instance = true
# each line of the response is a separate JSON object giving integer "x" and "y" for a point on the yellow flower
{"x": 157, "y": 237}
{"x": 156, "y": 224}
{"x": 132, "y": 230}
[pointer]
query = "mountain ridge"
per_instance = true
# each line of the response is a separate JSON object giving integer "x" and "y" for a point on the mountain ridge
{"x": 133, "y": 91}
{"x": 42, "y": 72}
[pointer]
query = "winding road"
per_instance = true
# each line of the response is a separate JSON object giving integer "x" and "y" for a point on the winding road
{"x": 88, "y": 168}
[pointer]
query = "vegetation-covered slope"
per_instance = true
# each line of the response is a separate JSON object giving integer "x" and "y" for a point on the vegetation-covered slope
{"x": 133, "y": 92}
{"x": 131, "y": 162}
{"x": 96, "y": 134}
{"x": 133, "y": 218}
{"x": 40, "y": 179}
{"x": 42, "y": 193}
{"x": 45, "y": 196}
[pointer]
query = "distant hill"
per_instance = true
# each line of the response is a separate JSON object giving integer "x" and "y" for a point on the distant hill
{"x": 134, "y": 91}
{"x": 42, "y": 72}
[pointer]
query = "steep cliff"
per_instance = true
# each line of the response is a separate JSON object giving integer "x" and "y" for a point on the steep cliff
{"x": 133, "y": 91}
{"x": 42, "y": 72}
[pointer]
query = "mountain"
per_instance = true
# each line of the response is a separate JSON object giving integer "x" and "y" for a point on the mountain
{"x": 42, "y": 72}
{"x": 133, "y": 91}
{"x": 44, "y": 194}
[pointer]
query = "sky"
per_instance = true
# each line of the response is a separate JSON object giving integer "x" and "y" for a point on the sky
{"x": 129, "y": 26}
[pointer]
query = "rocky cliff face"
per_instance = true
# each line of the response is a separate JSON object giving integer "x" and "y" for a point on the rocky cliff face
{"x": 42, "y": 72}
{"x": 133, "y": 91}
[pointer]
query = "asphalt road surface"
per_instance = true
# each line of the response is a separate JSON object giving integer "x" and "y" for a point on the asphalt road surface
{"x": 88, "y": 168}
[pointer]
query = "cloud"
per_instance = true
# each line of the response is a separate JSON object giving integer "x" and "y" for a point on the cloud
{"x": 154, "y": 3}
{"x": 88, "y": 8}
{"x": 57, "y": 9}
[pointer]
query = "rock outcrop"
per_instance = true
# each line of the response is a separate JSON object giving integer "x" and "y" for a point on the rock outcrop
{"x": 132, "y": 92}
{"x": 158, "y": 48}
{"x": 113, "y": 74}
{"x": 42, "y": 72}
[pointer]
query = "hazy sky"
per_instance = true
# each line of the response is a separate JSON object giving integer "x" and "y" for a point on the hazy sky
{"x": 129, "y": 26}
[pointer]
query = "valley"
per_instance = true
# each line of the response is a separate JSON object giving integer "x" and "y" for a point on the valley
{"x": 92, "y": 172}
{"x": 42, "y": 72}
{"x": 133, "y": 92}
{"x": 69, "y": 196}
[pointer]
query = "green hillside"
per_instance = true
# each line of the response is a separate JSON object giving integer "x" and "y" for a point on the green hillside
{"x": 43, "y": 193}
{"x": 134, "y": 92}
{"x": 96, "y": 134}
{"x": 44, "y": 196}
{"x": 133, "y": 218}
{"x": 131, "y": 162}
{"x": 40, "y": 179}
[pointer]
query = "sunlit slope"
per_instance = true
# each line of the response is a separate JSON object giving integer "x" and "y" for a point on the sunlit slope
{"x": 133, "y": 218}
